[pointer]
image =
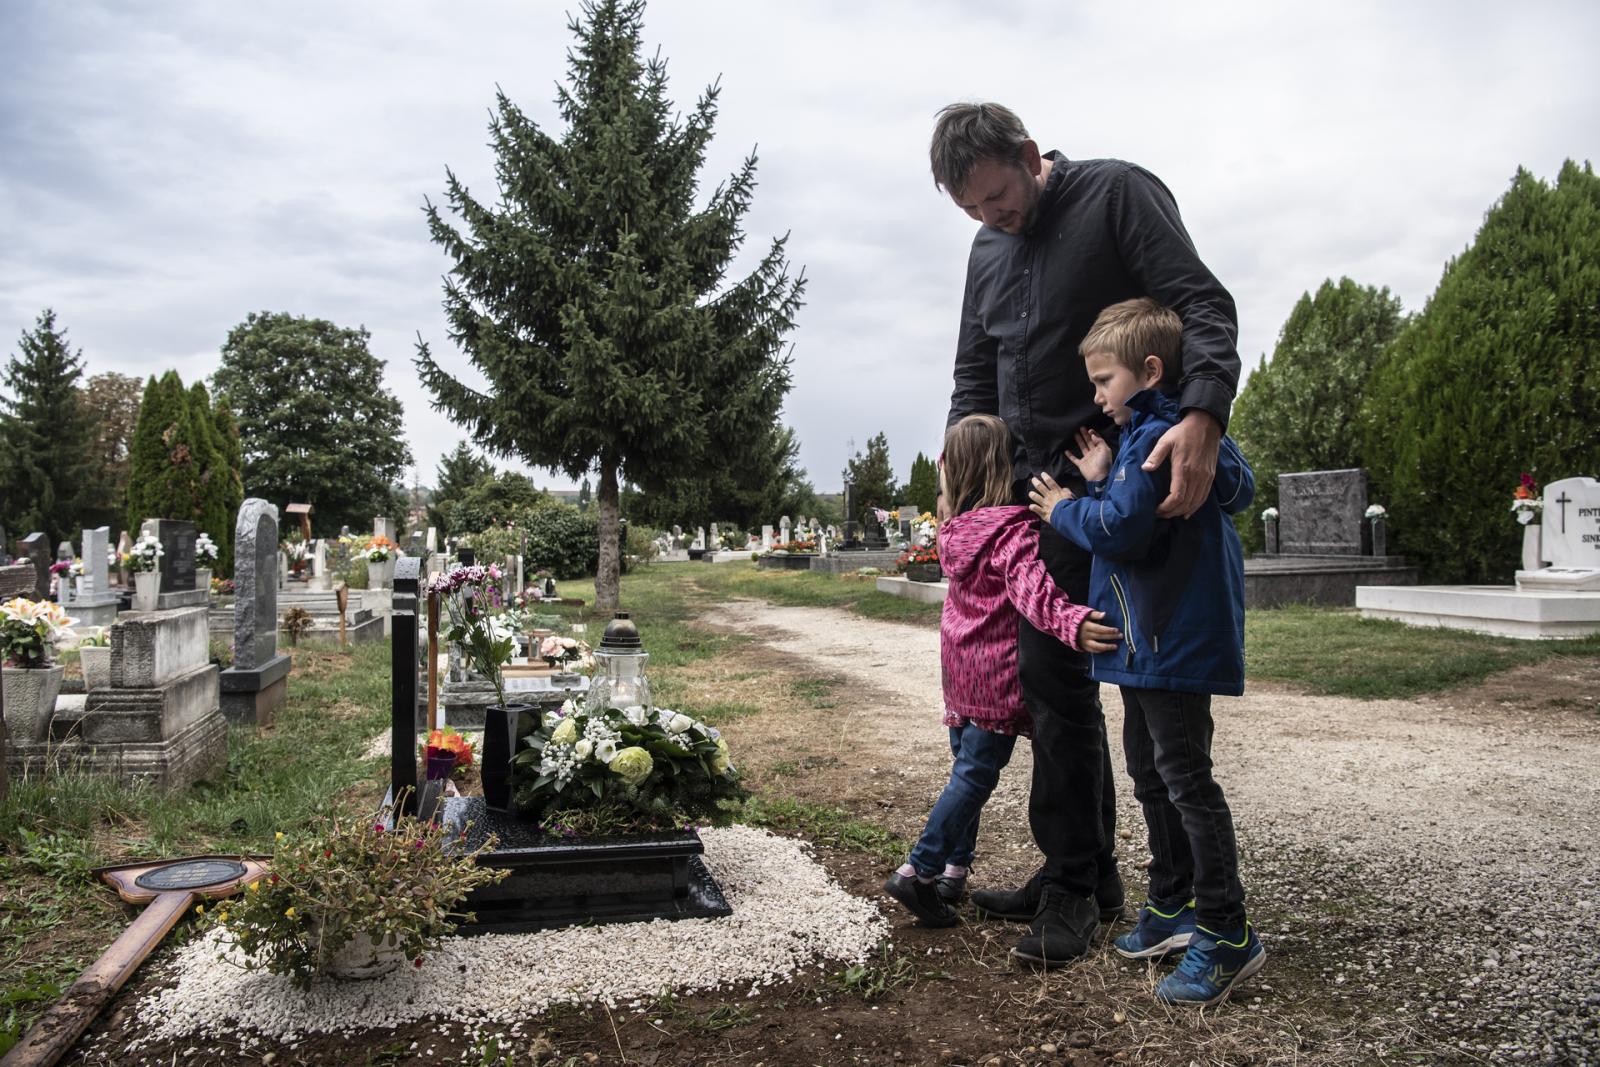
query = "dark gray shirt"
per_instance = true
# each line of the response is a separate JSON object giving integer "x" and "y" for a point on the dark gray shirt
{"x": 1106, "y": 231}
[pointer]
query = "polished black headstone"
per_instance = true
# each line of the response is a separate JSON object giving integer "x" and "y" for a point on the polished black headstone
{"x": 36, "y": 550}
{"x": 1322, "y": 513}
{"x": 177, "y": 537}
{"x": 403, "y": 684}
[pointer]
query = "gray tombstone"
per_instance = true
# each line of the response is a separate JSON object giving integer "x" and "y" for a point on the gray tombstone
{"x": 766, "y": 537}
{"x": 908, "y": 515}
{"x": 432, "y": 543}
{"x": 715, "y": 543}
{"x": 852, "y": 525}
{"x": 383, "y": 527}
{"x": 253, "y": 688}
{"x": 5, "y": 548}
{"x": 95, "y": 604}
{"x": 677, "y": 531}
{"x": 64, "y": 554}
{"x": 784, "y": 534}
{"x": 36, "y": 550}
{"x": 1322, "y": 513}
{"x": 177, "y": 537}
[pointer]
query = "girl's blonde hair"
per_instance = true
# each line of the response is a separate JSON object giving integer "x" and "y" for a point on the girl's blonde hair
{"x": 977, "y": 464}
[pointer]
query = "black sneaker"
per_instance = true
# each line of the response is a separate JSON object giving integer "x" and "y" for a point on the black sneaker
{"x": 1021, "y": 905}
{"x": 921, "y": 899}
{"x": 1061, "y": 932}
{"x": 951, "y": 890}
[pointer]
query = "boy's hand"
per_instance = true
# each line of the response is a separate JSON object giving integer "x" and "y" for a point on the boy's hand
{"x": 1096, "y": 462}
{"x": 1094, "y": 636}
{"x": 1046, "y": 494}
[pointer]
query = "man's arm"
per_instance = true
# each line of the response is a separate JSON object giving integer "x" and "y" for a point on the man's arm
{"x": 977, "y": 390}
{"x": 1160, "y": 255}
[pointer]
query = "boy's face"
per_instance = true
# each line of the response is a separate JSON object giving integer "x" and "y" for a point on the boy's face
{"x": 1114, "y": 383}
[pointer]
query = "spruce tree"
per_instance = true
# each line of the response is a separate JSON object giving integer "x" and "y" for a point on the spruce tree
{"x": 46, "y": 437}
{"x": 593, "y": 296}
{"x": 233, "y": 460}
{"x": 873, "y": 476}
{"x": 1299, "y": 412}
{"x": 458, "y": 471}
{"x": 216, "y": 507}
{"x": 1499, "y": 374}
{"x": 170, "y": 456}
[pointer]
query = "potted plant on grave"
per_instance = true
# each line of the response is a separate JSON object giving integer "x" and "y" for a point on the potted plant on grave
{"x": 1377, "y": 515}
{"x": 446, "y": 754}
{"x": 789, "y": 556}
{"x": 29, "y": 631}
{"x": 60, "y": 581}
{"x": 144, "y": 561}
{"x": 94, "y": 657}
{"x": 297, "y": 554}
{"x": 566, "y": 656}
{"x": 205, "y": 556}
{"x": 921, "y": 563}
{"x": 379, "y": 551}
{"x": 470, "y": 596}
{"x": 352, "y": 898}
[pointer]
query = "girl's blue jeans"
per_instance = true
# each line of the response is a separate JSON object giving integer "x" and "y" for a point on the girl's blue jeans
{"x": 952, "y": 831}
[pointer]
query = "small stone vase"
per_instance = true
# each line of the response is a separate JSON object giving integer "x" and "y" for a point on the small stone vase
{"x": 96, "y": 663}
{"x": 374, "y": 576}
{"x": 146, "y": 590}
{"x": 30, "y": 701}
{"x": 202, "y": 578}
{"x": 1532, "y": 547}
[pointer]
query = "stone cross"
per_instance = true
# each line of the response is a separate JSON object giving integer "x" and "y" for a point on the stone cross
{"x": 1563, "y": 500}
{"x": 255, "y": 574}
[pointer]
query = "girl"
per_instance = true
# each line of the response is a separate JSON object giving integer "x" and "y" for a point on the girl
{"x": 990, "y": 551}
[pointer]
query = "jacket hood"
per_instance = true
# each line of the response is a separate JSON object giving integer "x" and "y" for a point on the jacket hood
{"x": 1154, "y": 402}
{"x": 965, "y": 539}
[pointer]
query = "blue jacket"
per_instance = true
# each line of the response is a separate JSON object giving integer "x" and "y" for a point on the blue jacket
{"x": 1175, "y": 587}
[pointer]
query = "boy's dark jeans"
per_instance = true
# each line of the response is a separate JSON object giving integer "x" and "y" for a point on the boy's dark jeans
{"x": 1072, "y": 805}
{"x": 1167, "y": 739}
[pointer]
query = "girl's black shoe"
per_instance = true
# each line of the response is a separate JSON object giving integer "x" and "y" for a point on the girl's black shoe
{"x": 921, "y": 899}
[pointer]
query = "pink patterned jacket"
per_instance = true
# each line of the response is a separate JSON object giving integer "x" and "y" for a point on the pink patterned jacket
{"x": 991, "y": 556}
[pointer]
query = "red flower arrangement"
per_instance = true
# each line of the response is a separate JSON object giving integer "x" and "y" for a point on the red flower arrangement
{"x": 448, "y": 741}
{"x": 921, "y": 554}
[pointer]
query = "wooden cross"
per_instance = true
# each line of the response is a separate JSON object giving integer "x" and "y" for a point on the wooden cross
{"x": 1563, "y": 500}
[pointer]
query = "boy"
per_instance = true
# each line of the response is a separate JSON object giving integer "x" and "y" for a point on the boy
{"x": 1175, "y": 588}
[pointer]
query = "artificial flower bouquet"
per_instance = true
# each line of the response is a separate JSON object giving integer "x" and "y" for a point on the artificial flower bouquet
{"x": 486, "y": 634}
{"x": 392, "y": 877}
{"x": 918, "y": 554}
{"x": 787, "y": 548}
{"x": 1375, "y": 512}
{"x": 205, "y": 550}
{"x": 1526, "y": 504}
{"x": 567, "y": 653}
{"x": 625, "y": 770}
{"x": 925, "y": 530}
{"x": 30, "y": 630}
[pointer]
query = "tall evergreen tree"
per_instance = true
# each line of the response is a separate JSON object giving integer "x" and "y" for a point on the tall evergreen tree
{"x": 112, "y": 401}
{"x": 922, "y": 489}
{"x": 1299, "y": 411}
{"x": 872, "y": 475}
{"x": 458, "y": 471}
{"x": 217, "y": 505}
{"x": 315, "y": 421}
{"x": 46, "y": 436}
{"x": 593, "y": 297}
{"x": 1499, "y": 374}
{"x": 169, "y": 456}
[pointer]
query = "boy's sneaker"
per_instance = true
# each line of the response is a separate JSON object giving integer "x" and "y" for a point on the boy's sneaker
{"x": 1214, "y": 964}
{"x": 921, "y": 899}
{"x": 1158, "y": 933}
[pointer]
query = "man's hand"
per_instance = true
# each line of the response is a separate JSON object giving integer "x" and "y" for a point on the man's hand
{"x": 1192, "y": 447}
{"x": 1046, "y": 494}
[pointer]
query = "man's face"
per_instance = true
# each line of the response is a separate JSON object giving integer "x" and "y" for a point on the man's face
{"x": 1114, "y": 383}
{"x": 1003, "y": 196}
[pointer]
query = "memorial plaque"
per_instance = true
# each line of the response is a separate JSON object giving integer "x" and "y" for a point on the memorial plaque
{"x": 1322, "y": 513}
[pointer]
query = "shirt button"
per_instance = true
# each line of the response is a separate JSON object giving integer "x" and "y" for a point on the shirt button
{"x": 1024, "y": 314}
{"x": 1027, "y": 270}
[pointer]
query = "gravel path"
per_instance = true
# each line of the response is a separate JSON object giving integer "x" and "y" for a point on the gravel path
{"x": 1434, "y": 862}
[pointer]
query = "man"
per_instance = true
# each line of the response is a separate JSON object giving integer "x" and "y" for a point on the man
{"x": 1060, "y": 241}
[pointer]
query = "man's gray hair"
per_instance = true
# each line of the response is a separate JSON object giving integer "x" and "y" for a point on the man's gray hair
{"x": 965, "y": 135}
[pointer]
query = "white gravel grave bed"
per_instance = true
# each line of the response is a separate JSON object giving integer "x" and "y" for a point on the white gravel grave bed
{"x": 788, "y": 913}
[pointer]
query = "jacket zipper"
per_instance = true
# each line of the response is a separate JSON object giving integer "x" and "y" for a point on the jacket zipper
{"x": 1127, "y": 618}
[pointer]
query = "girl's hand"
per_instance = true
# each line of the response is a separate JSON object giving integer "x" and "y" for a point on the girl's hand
{"x": 1096, "y": 461}
{"x": 1095, "y": 636}
{"x": 1046, "y": 494}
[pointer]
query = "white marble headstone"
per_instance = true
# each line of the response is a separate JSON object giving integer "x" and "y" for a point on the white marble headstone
{"x": 1570, "y": 532}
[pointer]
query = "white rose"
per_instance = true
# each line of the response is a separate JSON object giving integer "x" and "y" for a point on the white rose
{"x": 678, "y": 724}
{"x": 635, "y": 714}
{"x": 605, "y": 750}
{"x": 582, "y": 749}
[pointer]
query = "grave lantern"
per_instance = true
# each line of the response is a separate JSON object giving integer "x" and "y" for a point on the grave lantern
{"x": 619, "y": 680}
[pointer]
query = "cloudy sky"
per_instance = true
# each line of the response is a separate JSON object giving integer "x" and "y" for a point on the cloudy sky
{"x": 166, "y": 168}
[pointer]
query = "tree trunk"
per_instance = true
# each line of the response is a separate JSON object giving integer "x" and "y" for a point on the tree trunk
{"x": 607, "y": 578}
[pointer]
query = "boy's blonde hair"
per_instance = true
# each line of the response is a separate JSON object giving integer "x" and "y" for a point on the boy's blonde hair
{"x": 977, "y": 464}
{"x": 1134, "y": 329}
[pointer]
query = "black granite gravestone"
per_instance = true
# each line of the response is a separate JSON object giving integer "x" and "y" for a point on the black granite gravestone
{"x": 851, "y": 540}
{"x": 403, "y": 684}
{"x": 1321, "y": 513}
{"x": 36, "y": 550}
{"x": 177, "y": 537}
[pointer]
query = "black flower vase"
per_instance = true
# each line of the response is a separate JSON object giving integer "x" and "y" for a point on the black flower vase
{"x": 500, "y": 722}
